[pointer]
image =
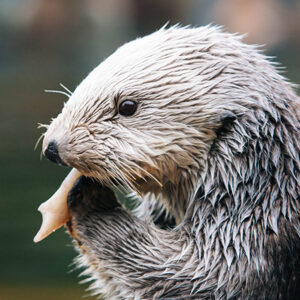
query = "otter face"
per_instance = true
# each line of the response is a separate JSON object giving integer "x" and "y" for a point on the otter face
{"x": 169, "y": 121}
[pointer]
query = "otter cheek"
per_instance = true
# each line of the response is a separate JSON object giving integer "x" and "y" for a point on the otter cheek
{"x": 55, "y": 211}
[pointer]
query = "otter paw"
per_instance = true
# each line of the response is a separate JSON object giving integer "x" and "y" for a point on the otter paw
{"x": 89, "y": 196}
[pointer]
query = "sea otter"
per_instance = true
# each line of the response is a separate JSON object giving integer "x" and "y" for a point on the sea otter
{"x": 203, "y": 130}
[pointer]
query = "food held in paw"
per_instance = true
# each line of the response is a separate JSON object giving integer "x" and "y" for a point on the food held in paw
{"x": 55, "y": 211}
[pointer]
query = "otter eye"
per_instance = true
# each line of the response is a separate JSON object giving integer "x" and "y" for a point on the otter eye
{"x": 127, "y": 107}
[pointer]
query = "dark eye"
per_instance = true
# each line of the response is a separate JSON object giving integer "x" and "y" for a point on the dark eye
{"x": 127, "y": 107}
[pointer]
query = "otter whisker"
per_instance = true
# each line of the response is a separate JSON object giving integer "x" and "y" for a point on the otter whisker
{"x": 66, "y": 89}
{"x": 58, "y": 92}
{"x": 38, "y": 141}
{"x": 125, "y": 181}
{"x": 149, "y": 174}
{"x": 40, "y": 125}
{"x": 107, "y": 180}
{"x": 123, "y": 177}
{"x": 118, "y": 176}
{"x": 115, "y": 186}
{"x": 41, "y": 155}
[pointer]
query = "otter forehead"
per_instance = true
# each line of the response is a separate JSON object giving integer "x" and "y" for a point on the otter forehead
{"x": 162, "y": 66}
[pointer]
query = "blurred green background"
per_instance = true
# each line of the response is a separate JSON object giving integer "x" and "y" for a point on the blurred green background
{"x": 47, "y": 42}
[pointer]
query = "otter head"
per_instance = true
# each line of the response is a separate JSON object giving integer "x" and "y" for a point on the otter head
{"x": 147, "y": 116}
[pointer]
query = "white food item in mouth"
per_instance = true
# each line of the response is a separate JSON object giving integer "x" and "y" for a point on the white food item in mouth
{"x": 55, "y": 210}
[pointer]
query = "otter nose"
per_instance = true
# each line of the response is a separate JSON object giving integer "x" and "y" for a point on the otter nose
{"x": 52, "y": 153}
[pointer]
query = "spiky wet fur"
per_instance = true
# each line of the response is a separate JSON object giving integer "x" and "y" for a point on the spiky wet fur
{"x": 214, "y": 145}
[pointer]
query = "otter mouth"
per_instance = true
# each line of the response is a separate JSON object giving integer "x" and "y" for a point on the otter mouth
{"x": 55, "y": 211}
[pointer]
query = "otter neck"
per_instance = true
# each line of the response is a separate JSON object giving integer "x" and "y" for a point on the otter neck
{"x": 177, "y": 196}
{"x": 250, "y": 176}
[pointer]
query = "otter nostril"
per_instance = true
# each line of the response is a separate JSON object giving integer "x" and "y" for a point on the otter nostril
{"x": 52, "y": 154}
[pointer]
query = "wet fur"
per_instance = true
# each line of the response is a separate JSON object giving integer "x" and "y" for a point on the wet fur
{"x": 212, "y": 155}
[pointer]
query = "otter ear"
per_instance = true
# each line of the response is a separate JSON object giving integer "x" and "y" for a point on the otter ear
{"x": 225, "y": 121}
{"x": 227, "y": 116}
